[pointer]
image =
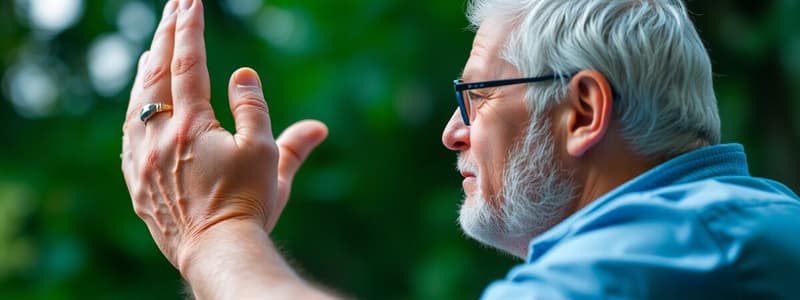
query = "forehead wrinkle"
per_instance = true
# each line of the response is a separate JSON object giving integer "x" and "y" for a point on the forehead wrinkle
{"x": 477, "y": 60}
{"x": 484, "y": 63}
{"x": 486, "y": 60}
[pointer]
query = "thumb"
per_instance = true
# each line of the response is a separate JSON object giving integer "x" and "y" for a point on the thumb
{"x": 250, "y": 111}
{"x": 294, "y": 146}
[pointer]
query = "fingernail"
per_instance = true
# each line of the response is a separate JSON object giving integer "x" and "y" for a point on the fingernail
{"x": 169, "y": 9}
{"x": 186, "y": 4}
{"x": 247, "y": 78}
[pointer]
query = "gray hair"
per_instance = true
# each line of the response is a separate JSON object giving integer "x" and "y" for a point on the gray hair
{"x": 648, "y": 49}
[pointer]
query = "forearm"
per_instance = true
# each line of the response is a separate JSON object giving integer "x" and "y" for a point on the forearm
{"x": 237, "y": 260}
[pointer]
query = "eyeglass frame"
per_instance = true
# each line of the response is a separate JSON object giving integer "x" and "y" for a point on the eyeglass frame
{"x": 460, "y": 87}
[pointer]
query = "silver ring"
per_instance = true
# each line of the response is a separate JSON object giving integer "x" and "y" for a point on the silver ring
{"x": 150, "y": 109}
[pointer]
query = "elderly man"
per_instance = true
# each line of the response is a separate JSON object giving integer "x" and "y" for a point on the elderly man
{"x": 587, "y": 133}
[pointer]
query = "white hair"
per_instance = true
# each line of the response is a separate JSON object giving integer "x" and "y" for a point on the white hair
{"x": 649, "y": 51}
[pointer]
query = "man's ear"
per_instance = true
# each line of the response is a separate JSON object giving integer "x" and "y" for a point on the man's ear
{"x": 588, "y": 111}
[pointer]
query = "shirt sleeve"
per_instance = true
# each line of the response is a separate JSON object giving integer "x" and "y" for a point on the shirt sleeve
{"x": 629, "y": 251}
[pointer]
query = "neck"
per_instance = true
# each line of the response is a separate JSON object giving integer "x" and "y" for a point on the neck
{"x": 611, "y": 163}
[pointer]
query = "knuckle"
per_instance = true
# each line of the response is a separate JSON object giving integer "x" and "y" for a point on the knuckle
{"x": 190, "y": 130}
{"x": 181, "y": 135}
{"x": 250, "y": 92}
{"x": 291, "y": 153}
{"x": 262, "y": 146}
{"x": 185, "y": 131}
{"x": 268, "y": 147}
{"x": 183, "y": 63}
{"x": 180, "y": 138}
{"x": 251, "y": 102}
{"x": 140, "y": 206}
{"x": 153, "y": 74}
{"x": 141, "y": 212}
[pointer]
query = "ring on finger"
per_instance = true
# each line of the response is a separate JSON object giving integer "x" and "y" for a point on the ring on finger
{"x": 151, "y": 109}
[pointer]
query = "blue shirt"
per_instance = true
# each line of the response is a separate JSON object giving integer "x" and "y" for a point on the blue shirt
{"x": 696, "y": 227}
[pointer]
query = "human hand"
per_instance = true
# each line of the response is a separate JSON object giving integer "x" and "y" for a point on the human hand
{"x": 186, "y": 174}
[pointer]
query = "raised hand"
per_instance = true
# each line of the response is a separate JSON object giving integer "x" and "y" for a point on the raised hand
{"x": 187, "y": 176}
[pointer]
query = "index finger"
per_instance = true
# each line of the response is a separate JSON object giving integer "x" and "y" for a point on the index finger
{"x": 190, "y": 80}
{"x": 133, "y": 104}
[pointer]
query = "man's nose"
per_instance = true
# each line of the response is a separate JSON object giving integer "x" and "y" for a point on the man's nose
{"x": 456, "y": 135}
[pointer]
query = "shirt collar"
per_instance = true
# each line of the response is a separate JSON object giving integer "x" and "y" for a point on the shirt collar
{"x": 703, "y": 163}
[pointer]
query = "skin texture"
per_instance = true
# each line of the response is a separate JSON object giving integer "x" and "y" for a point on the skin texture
{"x": 497, "y": 123}
{"x": 514, "y": 189}
{"x": 587, "y": 144}
{"x": 210, "y": 198}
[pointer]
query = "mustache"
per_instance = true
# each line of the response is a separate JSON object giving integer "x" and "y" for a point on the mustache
{"x": 465, "y": 165}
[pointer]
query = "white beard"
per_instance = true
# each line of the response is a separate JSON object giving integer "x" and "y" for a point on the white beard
{"x": 535, "y": 195}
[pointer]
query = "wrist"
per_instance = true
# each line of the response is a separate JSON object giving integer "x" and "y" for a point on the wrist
{"x": 234, "y": 259}
{"x": 223, "y": 239}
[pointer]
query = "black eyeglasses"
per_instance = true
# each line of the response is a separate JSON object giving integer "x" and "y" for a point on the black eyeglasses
{"x": 466, "y": 106}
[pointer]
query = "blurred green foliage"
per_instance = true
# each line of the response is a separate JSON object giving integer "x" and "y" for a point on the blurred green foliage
{"x": 373, "y": 211}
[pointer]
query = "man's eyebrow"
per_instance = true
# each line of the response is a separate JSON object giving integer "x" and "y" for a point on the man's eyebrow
{"x": 462, "y": 77}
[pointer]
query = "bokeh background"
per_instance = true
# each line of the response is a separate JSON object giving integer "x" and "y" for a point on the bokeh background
{"x": 373, "y": 211}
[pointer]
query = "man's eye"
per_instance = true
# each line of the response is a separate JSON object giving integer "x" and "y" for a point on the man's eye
{"x": 475, "y": 97}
